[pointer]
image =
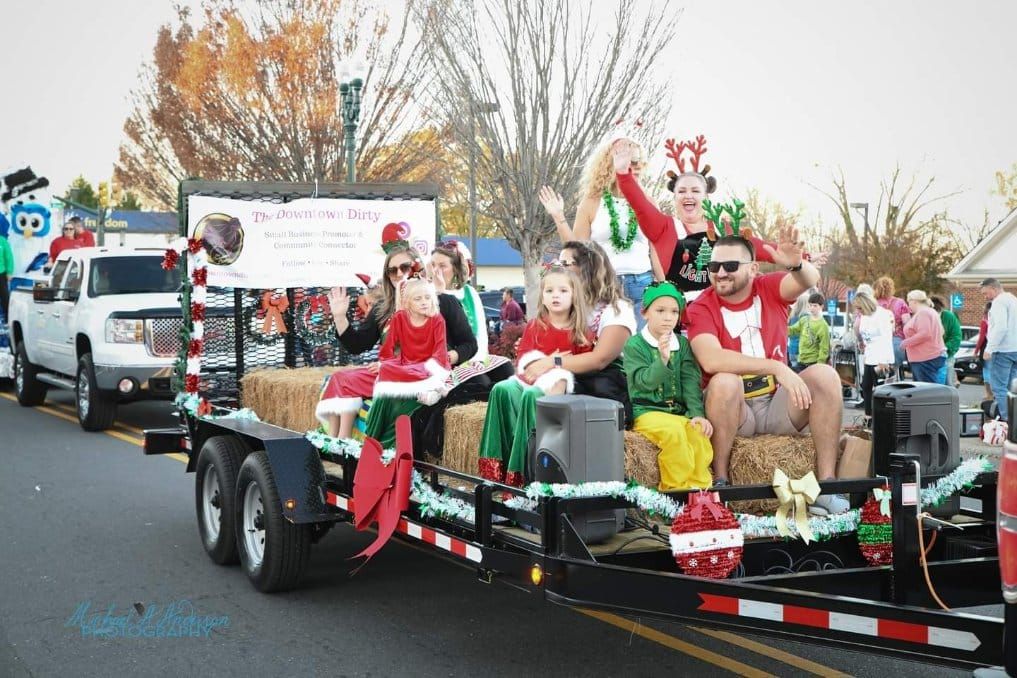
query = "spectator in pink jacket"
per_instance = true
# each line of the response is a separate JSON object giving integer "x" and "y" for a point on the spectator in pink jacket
{"x": 923, "y": 339}
{"x": 884, "y": 289}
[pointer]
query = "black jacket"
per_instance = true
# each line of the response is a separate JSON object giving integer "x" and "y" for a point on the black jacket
{"x": 457, "y": 331}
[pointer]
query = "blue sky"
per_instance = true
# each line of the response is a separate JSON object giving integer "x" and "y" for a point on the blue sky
{"x": 786, "y": 92}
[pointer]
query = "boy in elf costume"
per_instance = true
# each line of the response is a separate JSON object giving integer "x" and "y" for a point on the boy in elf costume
{"x": 664, "y": 384}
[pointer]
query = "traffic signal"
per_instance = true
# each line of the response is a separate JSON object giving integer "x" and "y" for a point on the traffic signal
{"x": 115, "y": 193}
{"x": 103, "y": 194}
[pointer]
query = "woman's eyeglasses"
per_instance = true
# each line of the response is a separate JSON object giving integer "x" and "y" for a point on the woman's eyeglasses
{"x": 402, "y": 268}
{"x": 729, "y": 266}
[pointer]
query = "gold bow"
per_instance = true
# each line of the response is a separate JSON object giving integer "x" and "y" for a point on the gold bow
{"x": 794, "y": 497}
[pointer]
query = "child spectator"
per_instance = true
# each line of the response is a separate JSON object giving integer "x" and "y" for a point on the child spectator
{"x": 813, "y": 335}
{"x": 667, "y": 398}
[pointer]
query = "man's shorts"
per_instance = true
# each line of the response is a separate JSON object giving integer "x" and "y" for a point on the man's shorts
{"x": 768, "y": 414}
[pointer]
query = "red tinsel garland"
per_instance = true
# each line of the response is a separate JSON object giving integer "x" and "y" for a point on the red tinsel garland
{"x": 193, "y": 246}
{"x": 197, "y": 312}
{"x": 191, "y": 383}
{"x": 194, "y": 348}
{"x": 200, "y": 276}
{"x": 170, "y": 259}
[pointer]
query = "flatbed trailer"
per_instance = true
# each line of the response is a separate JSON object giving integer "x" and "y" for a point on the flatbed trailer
{"x": 265, "y": 494}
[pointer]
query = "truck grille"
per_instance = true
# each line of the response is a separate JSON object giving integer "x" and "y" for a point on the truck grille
{"x": 162, "y": 336}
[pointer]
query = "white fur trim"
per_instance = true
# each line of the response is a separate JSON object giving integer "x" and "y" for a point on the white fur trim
{"x": 527, "y": 358}
{"x": 548, "y": 379}
{"x": 436, "y": 369}
{"x": 334, "y": 406}
{"x": 408, "y": 389}
{"x": 652, "y": 340}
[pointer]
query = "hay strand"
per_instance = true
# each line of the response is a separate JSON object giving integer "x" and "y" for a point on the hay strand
{"x": 753, "y": 461}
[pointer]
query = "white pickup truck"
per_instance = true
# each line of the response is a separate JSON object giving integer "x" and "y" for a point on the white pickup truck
{"x": 104, "y": 323}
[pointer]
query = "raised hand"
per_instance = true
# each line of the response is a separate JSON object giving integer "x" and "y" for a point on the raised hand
{"x": 664, "y": 346}
{"x": 338, "y": 301}
{"x": 553, "y": 203}
{"x": 790, "y": 247}
{"x": 437, "y": 278}
{"x": 621, "y": 151}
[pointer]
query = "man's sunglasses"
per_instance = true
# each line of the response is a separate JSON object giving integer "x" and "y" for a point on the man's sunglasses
{"x": 403, "y": 268}
{"x": 729, "y": 266}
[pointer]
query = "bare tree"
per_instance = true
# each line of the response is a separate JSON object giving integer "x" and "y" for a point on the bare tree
{"x": 767, "y": 216}
{"x": 904, "y": 238}
{"x": 528, "y": 87}
{"x": 252, "y": 92}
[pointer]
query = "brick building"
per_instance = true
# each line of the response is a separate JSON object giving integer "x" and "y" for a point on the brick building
{"x": 994, "y": 257}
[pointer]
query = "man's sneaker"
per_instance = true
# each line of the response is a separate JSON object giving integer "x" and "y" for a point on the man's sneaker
{"x": 721, "y": 482}
{"x": 829, "y": 504}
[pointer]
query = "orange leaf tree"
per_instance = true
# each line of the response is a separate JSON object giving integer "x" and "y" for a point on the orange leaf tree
{"x": 251, "y": 93}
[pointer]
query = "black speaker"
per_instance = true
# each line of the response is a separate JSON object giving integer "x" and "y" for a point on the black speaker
{"x": 581, "y": 439}
{"x": 918, "y": 418}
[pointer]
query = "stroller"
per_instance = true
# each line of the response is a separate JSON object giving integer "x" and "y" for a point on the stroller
{"x": 848, "y": 363}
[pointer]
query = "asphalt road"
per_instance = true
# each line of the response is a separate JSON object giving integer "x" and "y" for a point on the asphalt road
{"x": 91, "y": 523}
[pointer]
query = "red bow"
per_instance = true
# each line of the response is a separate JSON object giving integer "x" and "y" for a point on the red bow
{"x": 204, "y": 408}
{"x": 703, "y": 499}
{"x": 273, "y": 307}
{"x": 381, "y": 493}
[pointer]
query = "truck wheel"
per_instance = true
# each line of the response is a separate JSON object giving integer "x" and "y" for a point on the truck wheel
{"x": 96, "y": 409}
{"x": 30, "y": 391}
{"x": 215, "y": 494}
{"x": 273, "y": 551}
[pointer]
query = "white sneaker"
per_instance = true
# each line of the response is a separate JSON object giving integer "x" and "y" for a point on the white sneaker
{"x": 829, "y": 504}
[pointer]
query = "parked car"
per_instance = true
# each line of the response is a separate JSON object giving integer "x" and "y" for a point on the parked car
{"x": 966, "y": 363}
{"x": 491, "y": 299}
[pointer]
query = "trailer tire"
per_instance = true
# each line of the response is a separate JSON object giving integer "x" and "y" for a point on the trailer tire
{"x": 273, "y": 551}
{"x": 96, "y": 409}
{"x": 215, "y": 496}
{"x": 29, "y": 390}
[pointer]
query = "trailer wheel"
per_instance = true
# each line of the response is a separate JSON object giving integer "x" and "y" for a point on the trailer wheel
{"x": 273, "y": 551}
{"x": 30, "y": 391}
{"x": 96, "y": 409}
{"x": 215, "y": 496}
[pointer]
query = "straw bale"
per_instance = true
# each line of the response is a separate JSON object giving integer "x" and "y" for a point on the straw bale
{"x": 753, "y": 461}
{"x": 641, "y": 460}
{"x": 285, "y": 397}
{"x": 463, "y": 427}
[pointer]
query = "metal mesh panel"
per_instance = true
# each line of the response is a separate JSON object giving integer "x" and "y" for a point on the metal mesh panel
{"x": 240, "y": 330}
{"x": 162, "y": 337}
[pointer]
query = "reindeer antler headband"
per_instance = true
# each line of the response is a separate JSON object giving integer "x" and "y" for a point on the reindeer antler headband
{"x": 697, "y": 148}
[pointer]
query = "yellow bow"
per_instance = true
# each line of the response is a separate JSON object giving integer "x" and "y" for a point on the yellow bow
{"x": 794, "y": 497}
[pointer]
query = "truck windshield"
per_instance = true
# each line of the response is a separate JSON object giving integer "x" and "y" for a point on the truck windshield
{"x": 131, "y": 275}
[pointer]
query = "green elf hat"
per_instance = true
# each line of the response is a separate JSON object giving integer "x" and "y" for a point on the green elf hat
{"x": 656, "y": 290}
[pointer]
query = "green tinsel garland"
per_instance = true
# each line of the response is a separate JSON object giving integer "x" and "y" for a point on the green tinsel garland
{"x": 617, "y": 242}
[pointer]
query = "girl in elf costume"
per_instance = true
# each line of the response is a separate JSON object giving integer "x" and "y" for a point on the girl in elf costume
{"x": 664, "y": 384}
{"x": 682, "y": 246}
{"x": 560, "y": 328}
{"x": 604, "y": 216}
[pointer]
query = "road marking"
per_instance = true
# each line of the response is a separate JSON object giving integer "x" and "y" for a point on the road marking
{"x": 648, "y": 633}
{"x": 656, "y": 636}
{"x": 773, "y": 653}
{"x": 118, "y": 424}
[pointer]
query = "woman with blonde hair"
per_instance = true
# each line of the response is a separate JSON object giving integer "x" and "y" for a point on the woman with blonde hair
{"x": 875, "y": 332}
{"x": 884, "y": 289}
{"x": 604, "y": 216}
{"x": 923, "y": 339}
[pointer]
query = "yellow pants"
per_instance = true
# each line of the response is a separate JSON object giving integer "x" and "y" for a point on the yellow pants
{"x": 685, "y": 453}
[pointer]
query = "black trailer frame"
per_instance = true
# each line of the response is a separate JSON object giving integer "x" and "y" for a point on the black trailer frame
{"x": 885, "y": 610}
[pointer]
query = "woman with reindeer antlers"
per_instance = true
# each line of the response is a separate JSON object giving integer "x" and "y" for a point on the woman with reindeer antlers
{"x": 683, "y": 247}
{"x": 604, "y": 216}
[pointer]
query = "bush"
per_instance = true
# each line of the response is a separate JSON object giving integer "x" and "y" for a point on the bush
{"x": 505, "y": 344}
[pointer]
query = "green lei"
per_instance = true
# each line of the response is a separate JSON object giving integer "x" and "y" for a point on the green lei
{"x": 620, "y": 245}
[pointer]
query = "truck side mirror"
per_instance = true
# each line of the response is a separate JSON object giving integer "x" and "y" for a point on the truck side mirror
{"x": 43, "y": 293}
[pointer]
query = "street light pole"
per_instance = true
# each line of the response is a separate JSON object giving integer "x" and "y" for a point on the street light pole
{"x": 864, "y": 206}
{"x": 486, "y": 107}
{"x": 349, "y": 92}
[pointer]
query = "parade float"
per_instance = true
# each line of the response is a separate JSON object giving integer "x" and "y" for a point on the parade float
{"x": 878, "y": 578}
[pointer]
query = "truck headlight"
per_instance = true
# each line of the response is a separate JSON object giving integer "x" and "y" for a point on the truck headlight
{"x": 122, "y": 331}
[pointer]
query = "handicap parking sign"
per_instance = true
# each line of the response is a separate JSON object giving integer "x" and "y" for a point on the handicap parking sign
{"x": 831, "y": 306}
{"x": 956, "y": 300}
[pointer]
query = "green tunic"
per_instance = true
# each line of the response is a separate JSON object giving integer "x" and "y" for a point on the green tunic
{"x": 674, "y": 388}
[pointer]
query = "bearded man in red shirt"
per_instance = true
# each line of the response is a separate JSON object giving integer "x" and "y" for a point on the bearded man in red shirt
{"x": 738, "y": 332}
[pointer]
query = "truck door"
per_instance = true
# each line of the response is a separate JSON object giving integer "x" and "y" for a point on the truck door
{"x": 62, "y": 320}
{"x": 39, "y": 333}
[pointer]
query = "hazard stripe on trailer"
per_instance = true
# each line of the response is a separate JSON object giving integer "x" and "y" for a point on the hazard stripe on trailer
{"x": 443, "y": 541}
{"x": 839, "y": 621}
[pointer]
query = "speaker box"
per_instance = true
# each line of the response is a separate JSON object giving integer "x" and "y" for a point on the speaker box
{"x": 581, "y": 439}
{"x": 918, "y": 418}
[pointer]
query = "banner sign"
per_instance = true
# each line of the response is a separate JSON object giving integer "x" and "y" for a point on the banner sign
{"x": 311, "y": 242}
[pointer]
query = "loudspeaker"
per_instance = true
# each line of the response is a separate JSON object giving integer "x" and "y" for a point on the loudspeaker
{"x": 581, "y": 439}
{"x": 918, "y": 418}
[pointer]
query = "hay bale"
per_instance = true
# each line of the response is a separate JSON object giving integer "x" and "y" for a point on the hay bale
{"x": 285, "y": 397}
{"x": 641, "y": 460}
{"x": 753, "y": 461}
{"x": 463, "y": 427}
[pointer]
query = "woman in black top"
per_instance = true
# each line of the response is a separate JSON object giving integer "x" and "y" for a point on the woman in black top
{"x": 400, "y": 263}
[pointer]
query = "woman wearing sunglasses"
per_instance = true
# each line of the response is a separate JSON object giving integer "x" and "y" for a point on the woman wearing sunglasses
{"x": 401, "y": 262}
{"x": 604, "y": 217}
